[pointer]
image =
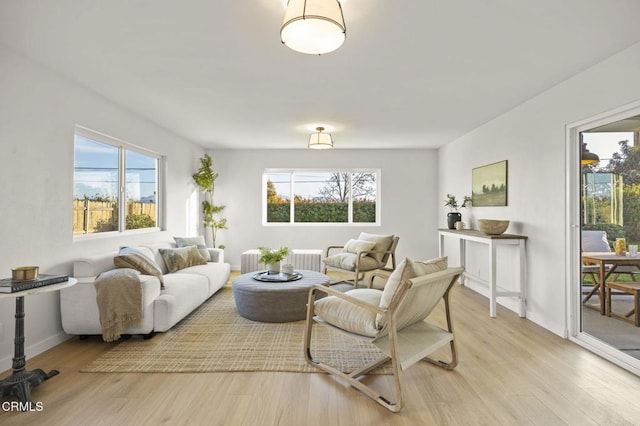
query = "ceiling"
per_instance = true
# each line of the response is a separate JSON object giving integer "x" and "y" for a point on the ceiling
{"x": 411, "y": 74}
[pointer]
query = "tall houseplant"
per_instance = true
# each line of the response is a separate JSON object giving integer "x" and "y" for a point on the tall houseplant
{"x": 454, "y": 214}
{"x": 205, "y": 178}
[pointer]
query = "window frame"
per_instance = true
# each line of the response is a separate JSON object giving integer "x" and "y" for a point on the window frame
{"x": 293, "y": 171}
{"x": 123, "y": 147}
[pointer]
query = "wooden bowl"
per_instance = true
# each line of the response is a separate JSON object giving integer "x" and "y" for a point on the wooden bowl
{"x": 492, "y": 227}
{"x": 24, "y": 273}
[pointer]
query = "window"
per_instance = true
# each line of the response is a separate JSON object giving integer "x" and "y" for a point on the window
{"x": 315, "y": 196}
{"x": 115, "y": 185}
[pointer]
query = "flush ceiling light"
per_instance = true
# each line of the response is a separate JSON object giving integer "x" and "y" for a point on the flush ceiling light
{"x": 588, "y": 157}
{"x": 320, "y": 140}
{"x": 313, "y": 26}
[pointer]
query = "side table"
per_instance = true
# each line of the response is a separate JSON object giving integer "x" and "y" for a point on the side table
{"x": 21, "y": 382}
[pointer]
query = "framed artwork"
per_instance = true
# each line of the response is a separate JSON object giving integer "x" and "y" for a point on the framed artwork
{"x": 489, "y": 185}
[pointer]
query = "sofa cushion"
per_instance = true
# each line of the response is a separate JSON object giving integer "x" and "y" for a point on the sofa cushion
{"x": 180, "y": 258}
{"x": 216, "y": 273}
{"x": 140, "y": 259}
{"x": 194, "y": 241}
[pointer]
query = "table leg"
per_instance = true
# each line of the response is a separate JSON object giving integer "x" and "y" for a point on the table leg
{"x": 20, "y": 382}
{"x": 492, "y": 280}
{"x": 601, "y": 289}
{"x": 463, "y": 258}
{"x": 523, "y": 279}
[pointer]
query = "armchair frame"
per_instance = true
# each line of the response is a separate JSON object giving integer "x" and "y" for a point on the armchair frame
{"x": 403, "y": 347}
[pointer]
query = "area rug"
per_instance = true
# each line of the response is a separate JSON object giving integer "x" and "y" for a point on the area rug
{"x": 215, "y": 338}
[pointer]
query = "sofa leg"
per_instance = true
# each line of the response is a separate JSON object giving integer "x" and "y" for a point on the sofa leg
{"x": 149, "y": 336}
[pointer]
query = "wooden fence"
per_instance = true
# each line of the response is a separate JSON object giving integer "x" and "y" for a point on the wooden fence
{"x": 102, "y": 216}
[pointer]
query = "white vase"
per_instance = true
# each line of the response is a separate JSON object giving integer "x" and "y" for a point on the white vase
{"x": 273, "y": 268}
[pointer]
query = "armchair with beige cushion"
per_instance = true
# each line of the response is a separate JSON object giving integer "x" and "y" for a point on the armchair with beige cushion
{"x": 368, "y": 252}
{"x": 393, "y": 319}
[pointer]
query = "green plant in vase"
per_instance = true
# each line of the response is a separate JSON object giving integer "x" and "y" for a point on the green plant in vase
{"x": 454, "y": 214}
{"x": 272, "y": 258}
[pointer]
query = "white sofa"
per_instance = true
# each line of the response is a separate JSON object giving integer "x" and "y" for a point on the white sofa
{"x": 184, "y": 290}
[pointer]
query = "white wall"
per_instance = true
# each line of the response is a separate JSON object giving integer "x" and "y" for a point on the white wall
{"x": 408, "y": 199}
{"x": 532, "y": 138}
{"x": 38, "y": 113}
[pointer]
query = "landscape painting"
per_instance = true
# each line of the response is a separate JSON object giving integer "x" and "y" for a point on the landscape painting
{"x": 489, "y": 185}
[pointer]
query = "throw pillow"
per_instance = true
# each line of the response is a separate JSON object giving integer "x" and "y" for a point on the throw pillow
{"x": 405, "y": 271}
{"x": 180, "y": 258}
{"x": 356, "y": 246}
{"x": 194, "y": 241}
{"x": 382, "y": 243}
{"x": 129, "y": 257}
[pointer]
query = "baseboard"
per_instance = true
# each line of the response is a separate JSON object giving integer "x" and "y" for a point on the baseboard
{"x": 36, "y": 349}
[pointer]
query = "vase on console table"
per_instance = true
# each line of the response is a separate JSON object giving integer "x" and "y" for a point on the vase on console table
{"x": 452, "y": 218}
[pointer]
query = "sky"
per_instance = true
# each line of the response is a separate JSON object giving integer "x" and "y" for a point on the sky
{"x": 96, "y": 171}
{"x": 605, "y": 144}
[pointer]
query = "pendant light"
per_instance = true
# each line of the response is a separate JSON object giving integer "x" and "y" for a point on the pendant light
{"x": 313, "y": 26}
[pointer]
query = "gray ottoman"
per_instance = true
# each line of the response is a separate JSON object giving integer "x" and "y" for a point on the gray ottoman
{"x": 275, "y": 301}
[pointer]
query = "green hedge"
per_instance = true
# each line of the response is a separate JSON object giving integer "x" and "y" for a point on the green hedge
{"x": 363, "y": 212}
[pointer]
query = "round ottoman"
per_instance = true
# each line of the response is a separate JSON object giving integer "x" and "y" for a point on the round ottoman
{"x": 275, "y": 301}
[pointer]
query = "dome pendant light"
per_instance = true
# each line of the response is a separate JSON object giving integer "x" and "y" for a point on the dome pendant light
{"x": 588, "y": 157}
{"x": 313, "y": 26}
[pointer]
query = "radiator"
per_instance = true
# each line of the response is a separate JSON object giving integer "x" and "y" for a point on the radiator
{"x": 308, "y": 259}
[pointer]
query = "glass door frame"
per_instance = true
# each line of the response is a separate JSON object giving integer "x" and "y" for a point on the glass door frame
{"x": 573, "y": 235}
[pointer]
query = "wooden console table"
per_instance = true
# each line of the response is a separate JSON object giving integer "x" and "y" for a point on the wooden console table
{"x": 20, "y": 382}
{"x": 493, "y": 241}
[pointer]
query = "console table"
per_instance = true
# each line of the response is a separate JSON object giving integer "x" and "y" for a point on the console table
{"x": 493, "y": 241}
{"x": 20, "y": 382}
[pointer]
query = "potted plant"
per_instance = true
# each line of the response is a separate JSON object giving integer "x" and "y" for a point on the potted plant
{"x": 205, "y": 178}
{"x": 272, "y": 258}
{"x": 454, "y": 214}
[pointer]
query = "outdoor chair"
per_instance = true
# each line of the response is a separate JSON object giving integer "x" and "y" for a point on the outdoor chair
{"x": 596, "y": 241}
{"x": 392, "y": 319}
{"x": 368, "y": 252}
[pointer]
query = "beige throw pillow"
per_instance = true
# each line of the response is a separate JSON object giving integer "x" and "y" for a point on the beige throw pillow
{"x": 356, "y": 246}
{"x": 382, "y": 243}
{"x": 194, "y": 241}
{"x": 180, "y": 258}
{"x": 405, "y": 271}
{"x": 129, "y": 257}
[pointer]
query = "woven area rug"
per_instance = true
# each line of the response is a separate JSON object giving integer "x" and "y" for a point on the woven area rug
{"x": 215, "y": 338}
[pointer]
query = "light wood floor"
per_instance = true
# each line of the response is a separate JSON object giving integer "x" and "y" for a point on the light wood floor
{"x": 511, "y": 372}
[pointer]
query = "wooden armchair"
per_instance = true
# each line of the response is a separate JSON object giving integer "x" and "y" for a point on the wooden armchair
{"x": 393, "y": 319}
{"x": 368, "y": 252}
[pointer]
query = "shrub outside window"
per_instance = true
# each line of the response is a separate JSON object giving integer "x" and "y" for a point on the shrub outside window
{"x": 317, "y": 196}
{"x": 115, "y": 185}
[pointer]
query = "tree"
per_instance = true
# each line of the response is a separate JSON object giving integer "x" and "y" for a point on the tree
{"x": 626, "y": 163}
{"x": 336, "y": 188}
{"x": 205, "y": 178}
{"x": 272, "y": 194}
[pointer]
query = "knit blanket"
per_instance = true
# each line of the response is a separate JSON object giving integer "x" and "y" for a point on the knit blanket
{"x": 119, "y": 298}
